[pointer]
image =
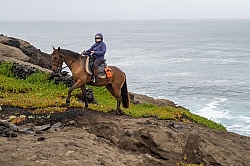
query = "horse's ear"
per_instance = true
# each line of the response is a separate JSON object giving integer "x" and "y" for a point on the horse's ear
{"x": 59, "y": 49}
{"x": 53, "y": 47}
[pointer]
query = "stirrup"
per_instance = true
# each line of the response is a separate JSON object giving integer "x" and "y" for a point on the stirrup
{"x": 93, "y": 80}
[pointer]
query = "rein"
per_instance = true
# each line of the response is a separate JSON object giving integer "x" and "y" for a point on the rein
{"x": 71, "y": 63}
{"x": 60, "y": 67}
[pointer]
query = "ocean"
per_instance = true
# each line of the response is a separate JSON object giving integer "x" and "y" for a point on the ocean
{"x": 203, "y": 65}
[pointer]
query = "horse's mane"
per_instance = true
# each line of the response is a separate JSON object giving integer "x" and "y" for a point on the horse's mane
{"x": 70, "y": 53}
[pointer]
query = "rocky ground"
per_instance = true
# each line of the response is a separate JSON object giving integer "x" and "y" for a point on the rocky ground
{"x": 87, "y": 137}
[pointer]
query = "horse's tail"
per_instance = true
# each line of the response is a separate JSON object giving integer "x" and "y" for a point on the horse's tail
{"x": 125, "y": 95}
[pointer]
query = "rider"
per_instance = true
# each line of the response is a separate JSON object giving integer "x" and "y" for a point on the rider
{"x": 97, "y": 51}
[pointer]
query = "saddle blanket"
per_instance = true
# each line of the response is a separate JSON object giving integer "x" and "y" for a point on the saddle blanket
{"x": 101, "y": 69}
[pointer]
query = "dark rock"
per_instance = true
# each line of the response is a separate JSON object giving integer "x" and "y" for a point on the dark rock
{"x": 57, "y": 125}
{"x": 8, "y": 129}
{"x": 14, "y": 43}
{"x": 41, "y": 139}
{"x": 64, "y": 73}
{"x": 23, "y": 71}
{"x": 72, "y": 122}
{"x": 9, "y": 125}
{"x": 62, "y": 77}
{"x": 171, "y": 124}
{"x": 38, "y": 132}
{"x": 147, "y": 122}
{"x": 27, "y": 131}
{"x": 42, "y": 128}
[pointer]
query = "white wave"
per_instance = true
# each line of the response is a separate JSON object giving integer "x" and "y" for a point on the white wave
{"x": 217, "y": 52}
{"x": 212, "y": 111}
{"x": 178, "y": 74}
{"x": 238, "y": 124}
{"x": 241, "y": 127}
{"x": 225, "y": 61}
{"x": 178, "y": 60}
{"x": 221, "y": 81}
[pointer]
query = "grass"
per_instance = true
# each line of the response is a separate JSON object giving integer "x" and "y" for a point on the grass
{"x": 36, "y": 92}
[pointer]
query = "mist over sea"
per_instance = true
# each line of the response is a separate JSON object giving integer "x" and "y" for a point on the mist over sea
{"x": 203, "y": 65}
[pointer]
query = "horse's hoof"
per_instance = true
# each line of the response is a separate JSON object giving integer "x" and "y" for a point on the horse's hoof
{"x": 119, "y": 112}
{"x": 65, "y": 105}
{"x": 67, "y": 101}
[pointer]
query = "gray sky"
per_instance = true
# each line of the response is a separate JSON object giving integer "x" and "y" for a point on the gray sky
{"x": 122, "y": 9}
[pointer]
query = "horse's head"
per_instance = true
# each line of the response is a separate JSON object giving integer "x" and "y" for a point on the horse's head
{"x": 57, "y": 60}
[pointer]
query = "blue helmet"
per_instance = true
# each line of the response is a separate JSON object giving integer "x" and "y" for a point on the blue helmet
{"x": 99, "y": 35}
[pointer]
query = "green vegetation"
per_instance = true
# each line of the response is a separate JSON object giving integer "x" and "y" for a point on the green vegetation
{"x": 37, "y": 93}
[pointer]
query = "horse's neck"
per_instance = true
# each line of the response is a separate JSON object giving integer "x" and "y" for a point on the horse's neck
{"x": 68, "y": 62}
{"x": 71, "y": 63}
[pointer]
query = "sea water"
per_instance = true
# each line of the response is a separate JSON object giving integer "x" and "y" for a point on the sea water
{"x": 203, "y": 65}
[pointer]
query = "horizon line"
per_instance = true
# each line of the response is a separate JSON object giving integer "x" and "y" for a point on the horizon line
{"x": 95, "y": 20}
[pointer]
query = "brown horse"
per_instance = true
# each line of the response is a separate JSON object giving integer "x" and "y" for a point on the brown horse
{"x": 116, "y": 84}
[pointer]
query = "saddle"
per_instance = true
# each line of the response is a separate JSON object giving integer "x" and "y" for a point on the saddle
{"x": 103, "y": 70}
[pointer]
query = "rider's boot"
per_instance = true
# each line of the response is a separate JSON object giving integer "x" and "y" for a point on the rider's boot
{"x": 95, "y": 78}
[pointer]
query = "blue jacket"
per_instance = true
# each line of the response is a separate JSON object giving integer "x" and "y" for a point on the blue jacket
{"x": 99, "y": 48}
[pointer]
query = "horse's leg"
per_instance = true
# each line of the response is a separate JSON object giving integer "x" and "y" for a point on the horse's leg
{"x": 68, "y": 98}
{"x": 118, "y": 109}
{"x": 84, "y": 95}
{"x": 117, "y": 94}
{"x": 76, "y": 85}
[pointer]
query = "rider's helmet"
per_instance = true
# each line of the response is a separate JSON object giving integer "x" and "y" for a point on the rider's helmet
{"x": 99, "y": 36}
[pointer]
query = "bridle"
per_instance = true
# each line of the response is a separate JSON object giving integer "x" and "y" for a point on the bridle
{"x": 59, "y": 67}
{"x": 57, "y": 64}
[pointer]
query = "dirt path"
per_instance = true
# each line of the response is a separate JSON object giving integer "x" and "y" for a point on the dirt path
{"x": 107, "y": 139}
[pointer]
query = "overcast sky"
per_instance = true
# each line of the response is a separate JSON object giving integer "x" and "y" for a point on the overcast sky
{"x": 122, "y": 9}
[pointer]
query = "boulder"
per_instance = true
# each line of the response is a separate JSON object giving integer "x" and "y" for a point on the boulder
{"x": 13, "y": 52}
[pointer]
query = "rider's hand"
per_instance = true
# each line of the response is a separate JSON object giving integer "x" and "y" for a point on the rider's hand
{"x": 92, "y": 52}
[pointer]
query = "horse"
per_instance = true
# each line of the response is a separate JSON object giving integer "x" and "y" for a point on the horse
{"x": 116, "y": 84}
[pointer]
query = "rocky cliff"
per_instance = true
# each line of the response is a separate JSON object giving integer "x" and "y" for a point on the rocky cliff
{"x": 13, "y": 49}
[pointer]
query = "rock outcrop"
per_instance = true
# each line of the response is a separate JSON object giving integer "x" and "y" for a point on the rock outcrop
{"x": 12, "y": 48}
